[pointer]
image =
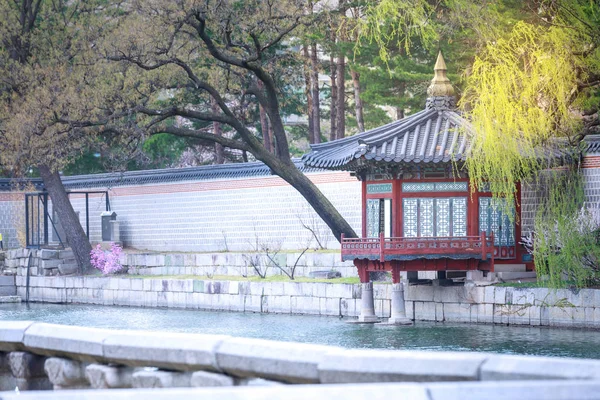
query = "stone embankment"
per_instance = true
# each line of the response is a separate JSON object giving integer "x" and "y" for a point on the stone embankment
{"x": 469, "y": 303}
{"x": 43, "y": 262}
{"x": 46, "y": 356}
{"x": 234, "y": 264}
{"x": 47, "y": 262}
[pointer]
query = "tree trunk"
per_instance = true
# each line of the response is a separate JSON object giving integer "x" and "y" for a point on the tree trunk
{"x": 358, "y": 105}
{"x": 314, "y": 83}
{"x": 321, "y": 204}
{"x": 219, "y": 153}
{"x": 265, "y": 125}
{"x": 308, "y": 93}
{"x": 341, "y": 97}
{"x": 75, "y": 235}
{"x": 334, "y": 94}
{"x": 399, "y": 113}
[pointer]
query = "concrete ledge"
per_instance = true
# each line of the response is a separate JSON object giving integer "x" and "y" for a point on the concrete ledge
{"x": 12, "y": 334}
{"x": 546, "y": 390}
{"x": 283, "y": 361}
{"x": 508, "y": 367}
{"x": 349, "y": 366}
{"x": 179, "y": 351}
{"x": 79, "y": 343}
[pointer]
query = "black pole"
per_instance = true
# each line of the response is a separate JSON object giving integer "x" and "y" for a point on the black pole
{"x": 45, "y": 201}
{"x": 26, "y": 220}
{"x": 38, "y": 220}
{"x": 87, "y": 215}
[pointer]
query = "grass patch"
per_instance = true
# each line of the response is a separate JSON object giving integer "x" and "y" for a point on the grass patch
{"x": 521, "y": 284}
{"x": 272, "y": 278}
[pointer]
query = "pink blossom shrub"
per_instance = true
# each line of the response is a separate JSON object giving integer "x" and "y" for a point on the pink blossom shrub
{"x": 106, "y": 261}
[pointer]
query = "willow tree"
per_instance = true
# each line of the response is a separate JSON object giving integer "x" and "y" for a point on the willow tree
{"x": 48, "y": 75}
{"x": 538, "y": 83}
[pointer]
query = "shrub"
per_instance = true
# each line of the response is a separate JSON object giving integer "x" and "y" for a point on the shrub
{"x": 106, "y": 261}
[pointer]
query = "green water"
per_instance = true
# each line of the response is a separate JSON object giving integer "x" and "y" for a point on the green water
{"x": 322, "y": 330}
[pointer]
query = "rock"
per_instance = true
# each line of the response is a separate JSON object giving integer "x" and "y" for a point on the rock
{"x": 26, "y": 365}
{"x": 68, "y": 267}
{"x": 66, "y": 374}
{"x": 109, "y": 377}
{"x": 205, "y": 379}
{"x": 329, "y": 274}
{"x": 160, "y": 379}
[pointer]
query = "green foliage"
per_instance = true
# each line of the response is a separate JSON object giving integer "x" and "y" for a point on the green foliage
{"x": 395, "y": 21}
{"x": 566, "y": 247}
{"x": 518, "y": 94}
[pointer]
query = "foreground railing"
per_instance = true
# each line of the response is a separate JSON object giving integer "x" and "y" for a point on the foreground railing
{"x": 385, "y": 249}
{"x": 38, "y": 356}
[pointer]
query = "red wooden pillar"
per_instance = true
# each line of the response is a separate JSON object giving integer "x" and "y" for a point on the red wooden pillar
{"x": 472, "y": 212}
{"x": 364, "y": 208}
{"x": 397, "y": 208}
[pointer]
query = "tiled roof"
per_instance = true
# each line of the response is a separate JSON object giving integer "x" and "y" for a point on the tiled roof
{"x": 430, "y": 136}
{"x": 208, "y": 172}
{"x": 591, "y": 144}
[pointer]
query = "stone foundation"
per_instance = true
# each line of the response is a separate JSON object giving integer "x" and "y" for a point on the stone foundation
{"x": 469, "y": 304}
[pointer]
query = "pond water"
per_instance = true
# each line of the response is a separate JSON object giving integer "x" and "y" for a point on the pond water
{"x": 322, "y": 330}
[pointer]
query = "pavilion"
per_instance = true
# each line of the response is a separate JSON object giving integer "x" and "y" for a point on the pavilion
{"x": 418, "y": 210}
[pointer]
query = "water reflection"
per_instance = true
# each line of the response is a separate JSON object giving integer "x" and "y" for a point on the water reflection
{"x": 323, "y": 330}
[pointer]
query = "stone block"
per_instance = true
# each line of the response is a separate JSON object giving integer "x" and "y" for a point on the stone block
{"x": 25, "y": 365}
{"x": 68, "y": 268}
{"x": 425, "y": 311}
{"x": 137, "y": 284}
{"x": 449, "y": 294}
{"x": 485, "y": 313}
{"x": 499, "y": 295}
{"x": 48, "y": 264}
{"x": 66, "y": 374}
{"x": 358, "y": 366}
{"x": 474, "y": 294}
{"x": 108, "y": 377}
{"x": 419, "y": 293}
{"x": 177, "y": 351}
{"x": 512, "y": 367}
{"x": 12, "y": 334}
{"x": 208, "y": 379}
{"x": 80, "y": 343}
{"x": 160, "y": 379}
{"x": 518, "y": 314}
{"x": 46, "y": 254}
{"x": 288, "y": 362}
{"x": 439, "y": 312}
{"x": 457, "y": 312}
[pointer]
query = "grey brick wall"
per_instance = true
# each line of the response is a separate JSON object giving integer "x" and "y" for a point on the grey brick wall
{"x": 12, "y": 215}
{"x": 220, "y": 220}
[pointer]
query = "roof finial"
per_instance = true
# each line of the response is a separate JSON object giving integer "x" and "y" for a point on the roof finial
{"x": 440, "y": 84}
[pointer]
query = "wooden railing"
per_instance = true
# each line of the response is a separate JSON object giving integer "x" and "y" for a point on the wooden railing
{"x": 464, "y": 246}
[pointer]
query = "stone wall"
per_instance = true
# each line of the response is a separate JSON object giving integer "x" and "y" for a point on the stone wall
{"x": 46, "y": 356}
{"x": 227, "y": 215}
{"x": 469, "y": 304}
{"x": 235, "y": 264}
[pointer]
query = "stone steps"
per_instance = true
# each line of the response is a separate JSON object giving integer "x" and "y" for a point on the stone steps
{"x": 510, "y": 268}
{"x": 507, "y": 276}
{"x": 7, "y": 285}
